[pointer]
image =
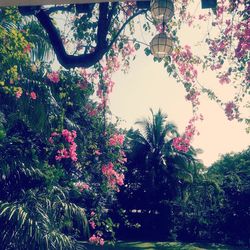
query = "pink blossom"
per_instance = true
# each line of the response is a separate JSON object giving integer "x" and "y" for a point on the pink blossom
{"x": 112, "y": 176}
{"x": 185, "y": 62}
{"x": 69, "y": 136}
{"x": 224, "y": 79}
{"x": 101, "y": 241}
{"x": 97, "y": 152}
{"x": 92, "y": 213}
{"x": 231, "y": 111}
{"x": 96, "y": 240}
{"x": 160, "y": 28}
{"x": 71, "y": 151}
{"x": 215, "y": 66}
{"x": 128, "y": 49}
{"x": 33, "y": 95}
{"x": 54, "y": 76}
{"x": 19, "y": 93}
{"x": 116, "y": 139}
{"x": 54, "y": 134}
{"x": 182, "y": 143}
{"x": 27, "y": 48}
{"x": 92, "y": 224}
{"x": 62, "y": 154}
{"x": 82, "y": 185}
{"x": 51, "y": 140}
{"x": 193, "y": 97}
{"x": 83, "y": 85}
{"x": 93, "y": 112}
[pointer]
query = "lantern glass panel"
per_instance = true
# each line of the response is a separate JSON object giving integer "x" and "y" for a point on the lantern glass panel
{"x": 161, "y": 45}
{"x": 162, "y": 10}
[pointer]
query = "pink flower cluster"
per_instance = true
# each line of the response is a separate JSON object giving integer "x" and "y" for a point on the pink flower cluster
{"x": 66, "y": 153}
{"x": 97, "y": 152}
{"x": 217, "y": 46}
{"x": 215, "y": 66}
{"x": 182, "y": 143}
{"x": 81, "y": 186}
{"x": 106, "y": 84}
{"x": 231, "y": 111}
{"x": 92, "y": 111}
{"x": 112, "y": 176}
{"x": 92, "y": 224}
{"x": 112, "y": 63}
{"x": 91, "y": 221}
{"x": 128, "y": 7}
{"x": 161, "y": 28}
{"x": 193, "y": 96}
{"x": 122, "y": 157}
{"x": 96, "y": 239}
{"x": 54, "y": 76}
{"x": 185, "y": 62}
{"x": 243, "y": 36}
{"x": 69, "y": 136}
{"x": 27, "y": 49}
{"x": 19, "y": 93}
{"x": 224, "y": 79}
{"x": 33, "y": 95}
{"x": 83, "y": 85}
{"x": 116, "y": 140}
{"x": 128, "y": 49}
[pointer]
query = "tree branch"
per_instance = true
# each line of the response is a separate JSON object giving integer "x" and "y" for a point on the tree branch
{"x": 124, "y": 25}
{"x": 83, "y": 60}
{"x": 71, "y": 61}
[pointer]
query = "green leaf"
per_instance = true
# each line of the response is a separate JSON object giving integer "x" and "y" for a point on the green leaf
{"x": 137, "y": 46}
{"x": 147, "y": 51}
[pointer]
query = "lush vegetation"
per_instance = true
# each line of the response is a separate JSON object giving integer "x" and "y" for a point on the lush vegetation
{"x": 59, "y": 156}
{"x": 170, "y": 195}
{"x": 62, "y": 162}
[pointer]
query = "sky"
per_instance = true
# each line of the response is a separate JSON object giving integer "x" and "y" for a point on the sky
{"x": 147, "y": 85}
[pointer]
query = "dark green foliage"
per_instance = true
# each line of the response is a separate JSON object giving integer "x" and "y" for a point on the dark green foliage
{"x": 170, "y": 195}
{"x": 157, "y": 180}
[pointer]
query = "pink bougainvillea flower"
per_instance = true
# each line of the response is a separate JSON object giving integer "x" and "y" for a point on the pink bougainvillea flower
{"x": 70, "y": 150}
{"x": 224, "y": 79}
{"x": 112, "y": 176}
{"x": 116, "y": 139}
{"x": 54, "y": 76}
{"x": 92, "y": 224}
{"x": 33, "y": 95}
{"x": 27, "y": 48}
{"x": 97, "y": 152}
{"x": 19, "y": 93}
{"x": 231, "y": 111}
{"x": 96, "y": 240}
{"x": 82, "y": 185}
{"x": 101, "y": 241}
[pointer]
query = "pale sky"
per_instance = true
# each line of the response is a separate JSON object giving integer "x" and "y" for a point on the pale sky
{"x": 147, "y": 85}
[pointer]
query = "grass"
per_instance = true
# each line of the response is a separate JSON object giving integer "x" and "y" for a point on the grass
{"x": 163, "y": 246}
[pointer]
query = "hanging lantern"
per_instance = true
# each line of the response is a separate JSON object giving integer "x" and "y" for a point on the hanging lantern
{"x": 161, "y": 45}
{"x": 162, "y": 10}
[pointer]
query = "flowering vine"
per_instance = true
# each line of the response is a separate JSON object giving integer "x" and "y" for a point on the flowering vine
{"x": 68, "y": 151}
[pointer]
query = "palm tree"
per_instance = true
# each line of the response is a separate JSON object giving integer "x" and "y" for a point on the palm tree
{"x": 166, "y": 171}
{"x": 158, "y": 176}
